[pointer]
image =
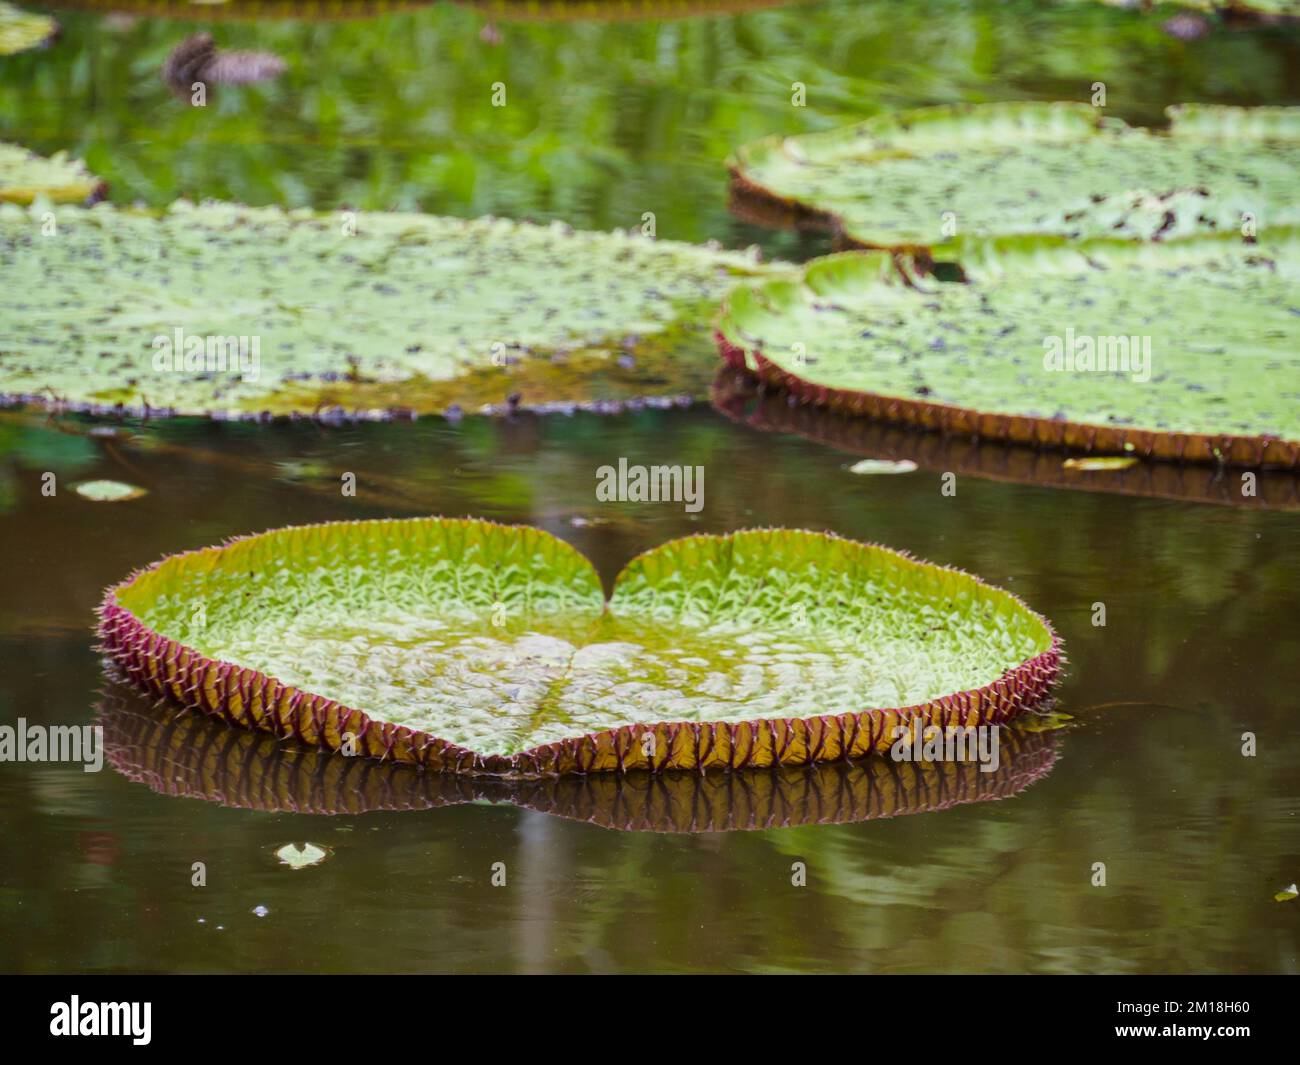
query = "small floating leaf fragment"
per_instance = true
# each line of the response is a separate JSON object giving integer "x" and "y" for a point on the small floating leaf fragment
{"x": 869, "y": 466}
{"x": 1101, "y": 463}
{"x": 1287, "y": 895}
{"x": 108, "y": 491}
{"x": 301, "y": 855}
{"x": 259, "y": 911}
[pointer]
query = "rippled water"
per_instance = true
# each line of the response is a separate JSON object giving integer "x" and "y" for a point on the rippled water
{"x": 919, "y": 871}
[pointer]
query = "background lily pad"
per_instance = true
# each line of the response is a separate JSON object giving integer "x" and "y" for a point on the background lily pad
{"x": 1220, "y": 315}
{"x": 25, "y": 175}
{"x": 20, "y": 30}
{"x": 470, "y": 646}
{"x": 410, "y": 311}
{"x": 740, "y": 397}
{"x": 1004, "y": 168}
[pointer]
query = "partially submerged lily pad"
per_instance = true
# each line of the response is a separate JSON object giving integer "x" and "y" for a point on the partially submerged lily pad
{"x": 235, "y": 310}
{"x": 21, "y": 30}
{"x": 1193, "y": 344}
{"x": 108, "y": 491}
{"x": 919, "y": 178}
{"x": 192, "y": 755}
{"x": 26, "y": 176}
{"x": 474, "y": 647}
{"x": 738, "y": 396}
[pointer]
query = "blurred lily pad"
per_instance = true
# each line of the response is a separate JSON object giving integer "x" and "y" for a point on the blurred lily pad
{"x": 26, "y": 176}
{"x": 923, "y": 177}
{"x": 1287, "y": 894}
{"x": 21, "y": 30}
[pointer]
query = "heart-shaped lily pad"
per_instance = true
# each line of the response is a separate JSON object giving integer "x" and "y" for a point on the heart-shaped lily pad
{"x": 228, "y": 309}
{"x": 24, "y": 176}
{"x": 464, "y": 645}
{"x": 922, "y": 177}
{"x": 1183, "y": 349}
{"x": 192, "y": 755}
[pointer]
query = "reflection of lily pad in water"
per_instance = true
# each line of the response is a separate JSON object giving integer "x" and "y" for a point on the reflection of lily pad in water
{"x": 239, "y": 310}
{"x": 191, "y": 755}
{"x": 21, "y": 30}
{"x": 468, "y": 646}
{"x": 922, "y": 177}
{"x": 1179, "y": 350}
{"x": 736, "y": 395}
{"x": 108, "y": 491}
{"x": 24, "y": 176}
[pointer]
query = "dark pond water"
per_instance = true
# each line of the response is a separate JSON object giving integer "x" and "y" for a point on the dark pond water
{"x": 1200, "y": 646}
{"x": 945, "y": 871}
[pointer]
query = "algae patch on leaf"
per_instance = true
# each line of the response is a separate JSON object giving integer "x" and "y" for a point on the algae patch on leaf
{"x": 920, "y": 178}
{"x": 226, "y": 309}
{"x": 1182, "y": 349}
{"x": 468, "y": 646}
{"x": 26, "y": 176}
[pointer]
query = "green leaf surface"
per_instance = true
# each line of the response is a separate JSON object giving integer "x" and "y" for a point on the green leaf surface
{"x": 108, "y": 491}
{"x": 21, "y": 30}
{"x": 24, "y": 176}
{"x": 292, "y": 312}
{"x": 918, "y": 178}
{"x": 498, "y": 641}
{"x": 301, "y": 855}
{"x": 883, "y": 466}
{"x": 1208, "y": 326}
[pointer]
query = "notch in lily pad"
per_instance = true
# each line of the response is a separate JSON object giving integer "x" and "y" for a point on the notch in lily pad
{"x": 1171, "y": 373}
{"x": 466, "y": 646}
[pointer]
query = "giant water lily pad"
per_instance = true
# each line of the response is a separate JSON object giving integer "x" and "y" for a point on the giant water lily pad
{"x": 1194, "y": 351}
{"x": 918, "y": 178}
{"x": 469, "y": 646}
{"x": 192, "y": 755}
{"x": 227, "y": 309}
{"x": 21, "y": 30}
